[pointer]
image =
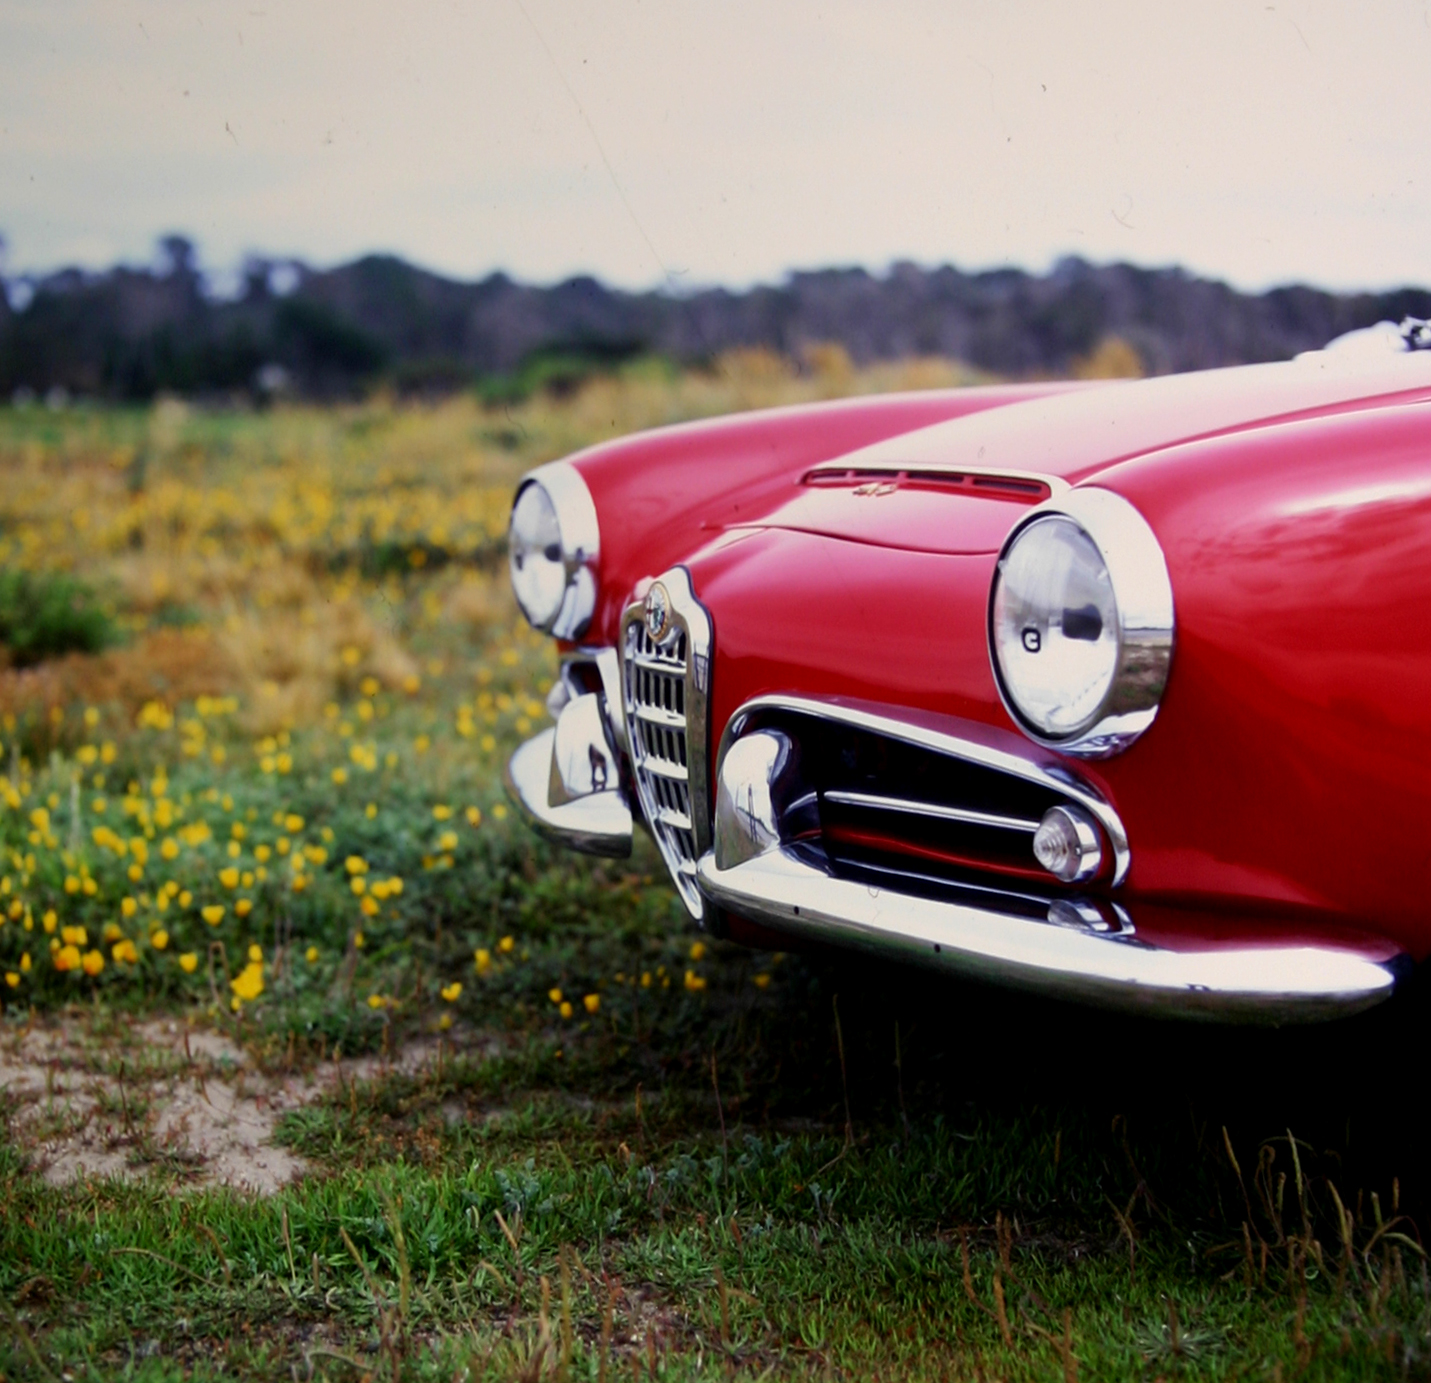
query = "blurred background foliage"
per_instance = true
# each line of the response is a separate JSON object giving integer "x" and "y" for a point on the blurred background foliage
{"x": 288, "y": 329}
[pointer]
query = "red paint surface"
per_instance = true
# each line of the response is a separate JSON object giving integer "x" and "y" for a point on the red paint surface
{"x": 660, "y": 495}
{"x": 1285, "y": 788}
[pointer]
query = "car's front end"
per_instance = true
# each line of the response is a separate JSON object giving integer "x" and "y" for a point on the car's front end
{"x": 1118, "y": 716}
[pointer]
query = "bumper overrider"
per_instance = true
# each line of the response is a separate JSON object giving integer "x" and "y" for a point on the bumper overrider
{"x": 566, "y": 782}
{"x": 635, "y": 749}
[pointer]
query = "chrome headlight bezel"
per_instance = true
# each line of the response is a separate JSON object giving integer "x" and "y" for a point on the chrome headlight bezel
{"x": 1143, "y": 599}
{"x": 580, "y": 539}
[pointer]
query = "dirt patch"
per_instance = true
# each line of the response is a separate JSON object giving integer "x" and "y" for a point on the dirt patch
{"x": 160, "y": 1098}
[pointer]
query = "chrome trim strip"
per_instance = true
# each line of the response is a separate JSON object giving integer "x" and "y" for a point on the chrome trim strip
{"x": 885, "y": 721}
{"x": 597, "y": 824}
{"x": 933, "y": 809}
{"x": 1260, "y": 984}
{"x": 1057, "y": 485}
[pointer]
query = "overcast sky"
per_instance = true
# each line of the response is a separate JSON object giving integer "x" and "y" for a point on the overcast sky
{"x": 659, "y": 142}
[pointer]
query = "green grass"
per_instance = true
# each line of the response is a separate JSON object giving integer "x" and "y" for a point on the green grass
{"x": 1028, "y": 1192}
{"x": 790, "y": 1167}
{"x": 46, "y": 615}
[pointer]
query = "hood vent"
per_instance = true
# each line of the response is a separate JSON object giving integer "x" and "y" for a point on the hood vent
{"x": 872, "y": 481}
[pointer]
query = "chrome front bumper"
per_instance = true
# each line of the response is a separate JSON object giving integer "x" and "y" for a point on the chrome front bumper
{"x": 1058, "y": 958}
{"x": 565, "y": 782}
{"x": 767, "y": 866}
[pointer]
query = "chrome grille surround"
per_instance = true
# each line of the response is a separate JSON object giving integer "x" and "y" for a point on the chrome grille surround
{"x": 666, "y": 689}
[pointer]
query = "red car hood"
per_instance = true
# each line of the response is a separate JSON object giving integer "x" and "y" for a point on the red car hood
{"x": 954, "y": 503}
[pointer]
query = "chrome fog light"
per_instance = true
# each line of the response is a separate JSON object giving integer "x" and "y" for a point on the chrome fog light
{"x": 1067, "y": 845}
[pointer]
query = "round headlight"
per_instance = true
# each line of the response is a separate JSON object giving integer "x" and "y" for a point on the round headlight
{"x": 1081, "y": 623}
{"x": 534, "y": 551}
{"x": 552, "y": 546}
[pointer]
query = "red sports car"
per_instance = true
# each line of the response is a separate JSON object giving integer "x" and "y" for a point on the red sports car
{"x": 1119, "y": 692}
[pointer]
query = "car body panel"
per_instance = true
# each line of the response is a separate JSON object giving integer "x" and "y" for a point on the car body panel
{"x": 673, "y": 486}
{"x": 1289, "y": 769}
{"x": 1282, "y": 795}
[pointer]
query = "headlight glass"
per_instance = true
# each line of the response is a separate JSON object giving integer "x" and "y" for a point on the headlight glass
{"x": 534, "y": 551}
{"x": 1054, "y": 627}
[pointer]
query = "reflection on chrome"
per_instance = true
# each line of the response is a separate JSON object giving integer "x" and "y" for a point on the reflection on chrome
{"x": 764, "y": 868}
{"x": 597, "y": 824}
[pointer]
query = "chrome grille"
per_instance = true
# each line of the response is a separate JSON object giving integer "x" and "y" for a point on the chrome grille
{"x": 665, "y": 693}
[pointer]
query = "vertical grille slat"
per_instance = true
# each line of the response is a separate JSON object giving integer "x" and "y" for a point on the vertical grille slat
{"x": 658, "y": 713}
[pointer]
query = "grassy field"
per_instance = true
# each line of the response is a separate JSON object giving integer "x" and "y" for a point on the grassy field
{"x": 517, "y": 1119}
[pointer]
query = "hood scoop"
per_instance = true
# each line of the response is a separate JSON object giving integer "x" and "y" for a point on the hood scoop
{"x": 961, "y": 512}
{"x": 1028, "y": 489}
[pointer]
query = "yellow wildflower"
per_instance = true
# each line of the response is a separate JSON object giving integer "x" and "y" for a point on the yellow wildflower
{"x": 377, "y": 1001}
{"x": 128, "y": 907}
{"x": 292, "y": 824}
{"x": 565, "y": 1009}
{"x": 73, "y": 936}
{"x": 482, "y": 960}
{"x": 506, "y": 944}
{"x": 355, "y": 864}
{"x": 340, "y": 776}
{"x": 592, "y": 1002}
{"x": 474, "y": 816}
{"x": 159, "y": 940}
{"x": 93, "y": 962}
{"x": 243, "y": 907}
{"x": 554, "y": 995}
{"x": 25, "y": 963}
{"x": 255, "y": 952}
{"x": 451, "y": 991}
{"x": 12, "y": 979}
{"x": 762, "y": 980}
{"x": 212, "y": 913}
{"x": 169, "y": 848}
{"x": 698, "y": 950}
{"x": 311, "y": 954}
{"x": 229, "y": 877}
{"x": 189, "y": 962}
{"x": 185, "y": 898}
{"x": 248, "y": 983}
{"x": 67, "y": 958}
{"x": 441, "y": 812}
{"x": 694, "y": 982}
{"x": 124, "y": 952}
